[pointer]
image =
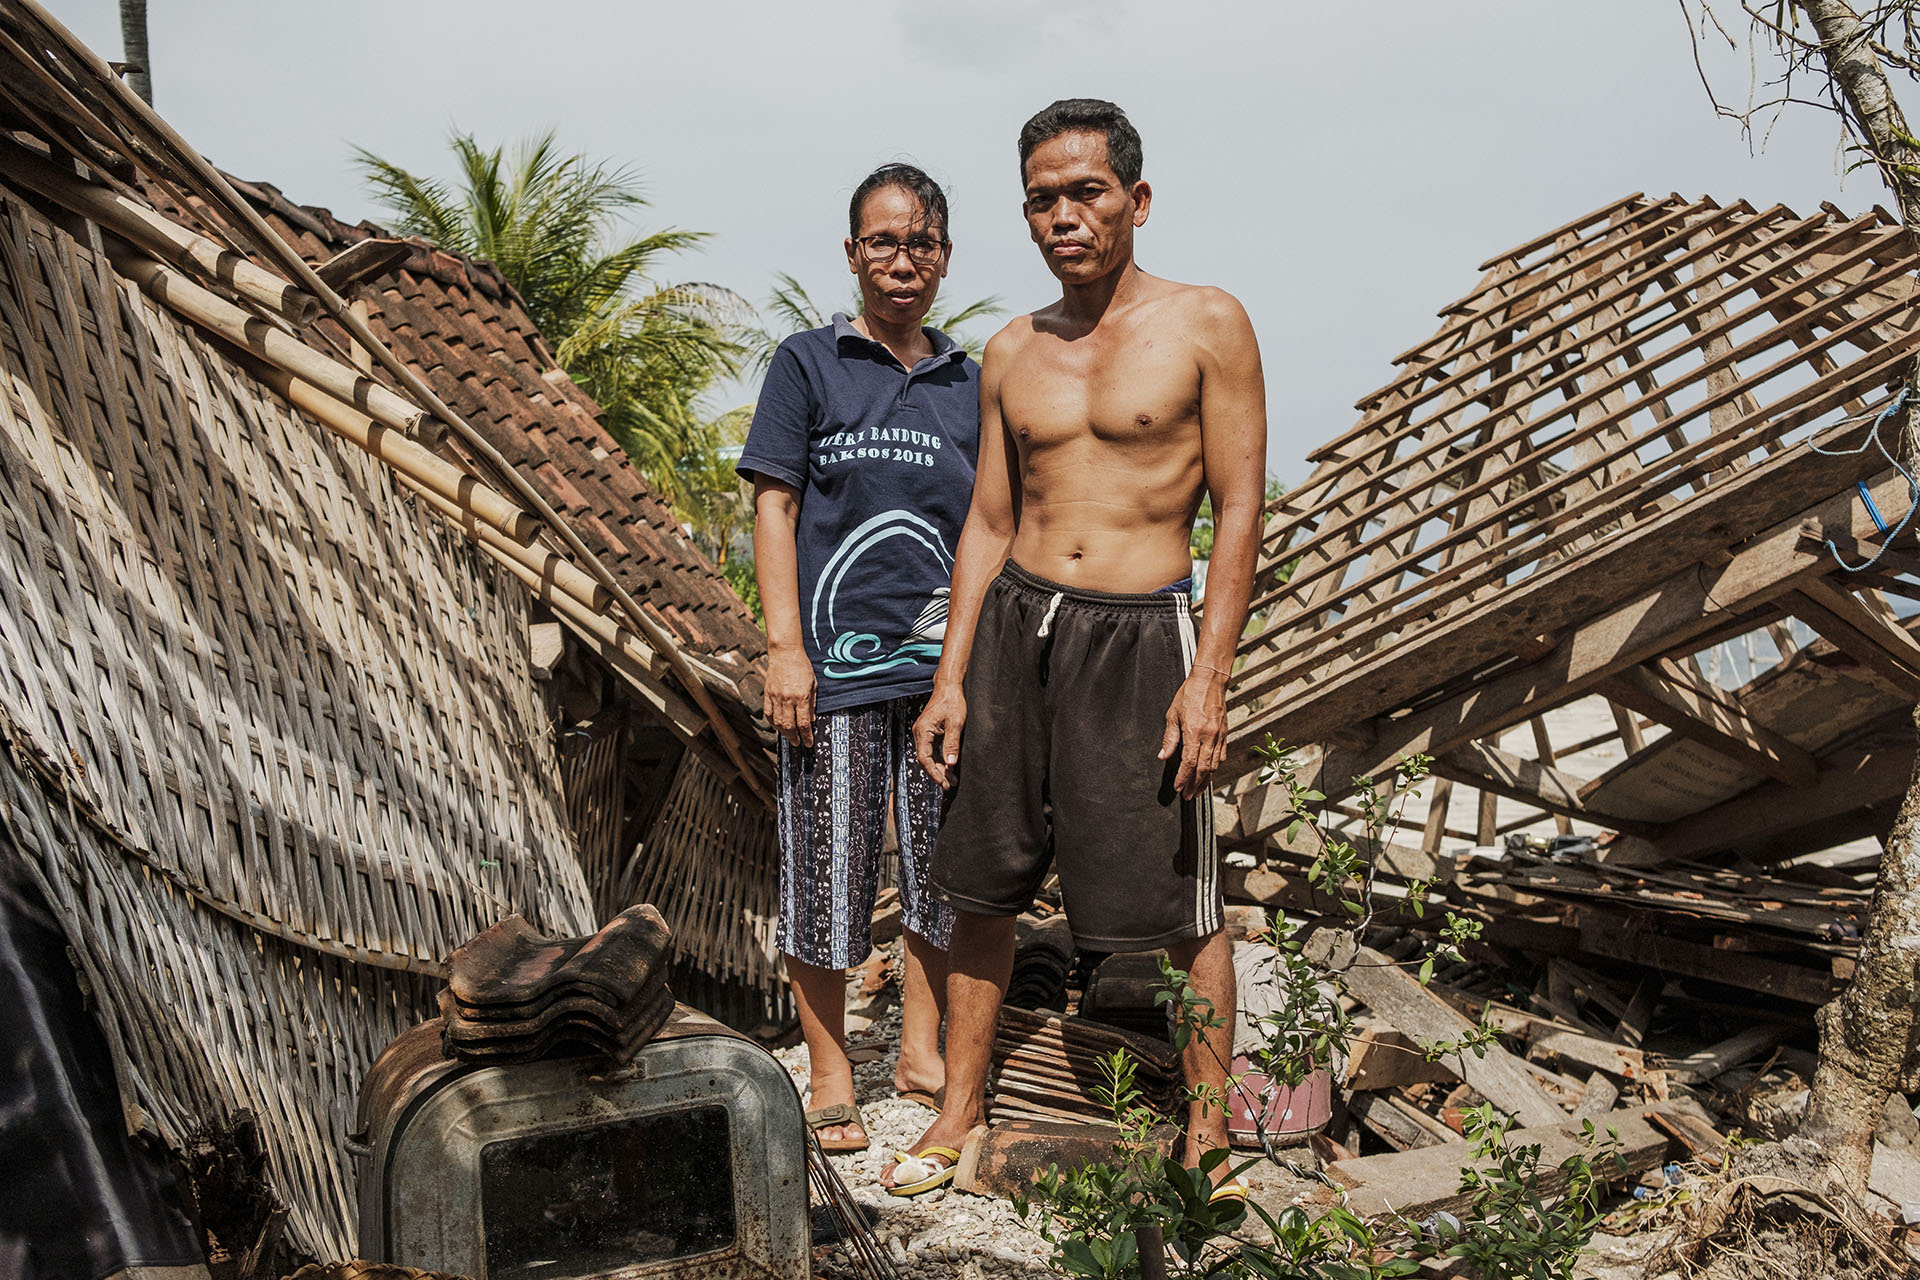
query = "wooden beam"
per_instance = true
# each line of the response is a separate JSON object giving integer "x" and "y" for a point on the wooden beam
{"x": 1861, "y": 633}
{"x": 1529, "y": 781}
{"x": 1849, "y": 779}
{"x": 1643, "y": 627}
{"x": 1400, "y": 1001}
{"x": 1427, "y": 1180}
{"x": 1617, "y": 938}
{"x": 1669, "y": 693}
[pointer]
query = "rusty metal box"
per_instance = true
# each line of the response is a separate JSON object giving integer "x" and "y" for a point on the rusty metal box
{"x": 687, "y": 1161}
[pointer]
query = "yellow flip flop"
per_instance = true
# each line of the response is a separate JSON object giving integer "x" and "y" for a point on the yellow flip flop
{"x": 1231, "y": 1189}
{"x": 939, "y": 1178}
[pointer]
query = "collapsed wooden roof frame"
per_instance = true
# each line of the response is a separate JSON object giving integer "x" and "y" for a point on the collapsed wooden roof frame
{"x": 262, "y": 292}
{"x": 1599, "y": 466}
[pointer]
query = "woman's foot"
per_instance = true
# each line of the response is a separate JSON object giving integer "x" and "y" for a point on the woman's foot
{"x": 828, "y": 1093}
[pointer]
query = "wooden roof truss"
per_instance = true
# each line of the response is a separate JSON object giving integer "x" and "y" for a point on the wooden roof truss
{"x": 1601, "y": 469}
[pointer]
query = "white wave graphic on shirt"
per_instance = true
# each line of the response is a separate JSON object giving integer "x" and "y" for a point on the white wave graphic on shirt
{"x": 852, "y": 654}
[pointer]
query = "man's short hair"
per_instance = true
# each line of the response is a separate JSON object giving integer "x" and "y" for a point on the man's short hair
{"x": 913, "y": 181}
{"x": 1086, "y": 115}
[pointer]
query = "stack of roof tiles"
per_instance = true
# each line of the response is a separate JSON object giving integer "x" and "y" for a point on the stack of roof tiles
{"x": 1049, "y": 1067}
{"x": 1042, "y": 959}
{"x": 1124, "y": 991}
{"x": 515, "y": 996}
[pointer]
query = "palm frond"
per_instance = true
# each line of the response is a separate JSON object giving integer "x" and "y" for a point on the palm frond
{"x": 979, "y": 309}
{"x": 551, "y": 222}
{"x": 423, "y": 207}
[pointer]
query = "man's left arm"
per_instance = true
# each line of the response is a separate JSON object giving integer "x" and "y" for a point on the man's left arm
{"x": 1233, "y": 443}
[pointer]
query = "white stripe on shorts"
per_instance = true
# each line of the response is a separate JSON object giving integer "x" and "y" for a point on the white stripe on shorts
{"x": 1206, "y": 873}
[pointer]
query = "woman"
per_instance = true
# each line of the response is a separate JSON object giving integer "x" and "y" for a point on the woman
{"x": 861, "y": 455}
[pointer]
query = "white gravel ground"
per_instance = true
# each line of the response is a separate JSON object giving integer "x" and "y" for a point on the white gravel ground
{"x": 941, "y": 1235}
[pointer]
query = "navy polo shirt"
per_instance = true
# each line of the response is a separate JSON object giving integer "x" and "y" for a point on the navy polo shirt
{"x": 883, "y": 457}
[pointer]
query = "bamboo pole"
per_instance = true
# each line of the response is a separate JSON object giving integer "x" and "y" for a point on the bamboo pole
{"x": 156, "y": 235}
{"x": 283, "y": 351}
{"x": 554, "y": 573}
{"x": 425, "y": 470}
{"x": 160, "y": 137}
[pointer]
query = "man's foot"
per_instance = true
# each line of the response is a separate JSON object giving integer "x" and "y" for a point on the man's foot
{"x": 1194, "y": 1149}
{"x": 950, "y": 1132}
{"x": 924, "y": 1085}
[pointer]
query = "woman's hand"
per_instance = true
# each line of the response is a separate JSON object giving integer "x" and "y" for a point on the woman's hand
{"x": 790, "y": 690}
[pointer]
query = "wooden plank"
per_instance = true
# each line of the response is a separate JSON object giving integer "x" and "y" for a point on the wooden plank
{"x": 1616, "y": 939}
{"x": 1632, "y": 1030}
{"x": 1723, "y": 1057}
{"x": 1395, "y": 997}
{"x": 1758, "y": 497}
{"x": 1598, "y": 1099}
{"x": 1427, "y": 1180}
{"x": 1383, "y": 1058}
{"x": 1772, "y": 419}
{"x": 1264, "y": 818}
{"x": 1665, "y": 692}
{"x": 1396, "y": 1124}
{"x": 1590, "y": 1052}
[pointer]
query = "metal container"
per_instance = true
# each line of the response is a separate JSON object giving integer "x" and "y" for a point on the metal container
{"x": 688, "y": 1161}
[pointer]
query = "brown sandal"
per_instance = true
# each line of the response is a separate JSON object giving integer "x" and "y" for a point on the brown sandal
{"x": 840, "y": 1113}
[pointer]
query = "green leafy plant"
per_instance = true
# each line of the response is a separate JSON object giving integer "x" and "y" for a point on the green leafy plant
{"x": 1141, "y": 1213}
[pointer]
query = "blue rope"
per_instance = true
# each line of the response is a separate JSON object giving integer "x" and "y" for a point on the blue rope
{"x": 1866, "y": 495}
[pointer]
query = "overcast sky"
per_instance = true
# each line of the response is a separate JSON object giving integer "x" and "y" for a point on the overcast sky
{"x": 1341, "y": 167}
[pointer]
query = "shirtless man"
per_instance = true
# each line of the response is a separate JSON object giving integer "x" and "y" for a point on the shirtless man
{"x": 1071, "y": 673}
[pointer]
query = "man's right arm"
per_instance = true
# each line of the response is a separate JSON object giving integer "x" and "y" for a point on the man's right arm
{"x": 984, "y": 542}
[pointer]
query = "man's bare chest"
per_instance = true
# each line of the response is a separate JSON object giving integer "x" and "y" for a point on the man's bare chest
{"x": 1053, "y": 390}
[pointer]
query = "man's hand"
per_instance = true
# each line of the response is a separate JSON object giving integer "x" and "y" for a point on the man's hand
{"x": 1197, "y": 729}
{"x": 936, "y": 734}
{"x": 789, "y": 700}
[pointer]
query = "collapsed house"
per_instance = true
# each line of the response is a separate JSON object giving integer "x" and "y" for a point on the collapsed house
{"x": 333, "y": 629}
{"x": 1624, "y": 549}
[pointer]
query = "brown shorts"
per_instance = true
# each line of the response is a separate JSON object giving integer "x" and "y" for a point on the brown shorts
{"x": 1067, "y": 696}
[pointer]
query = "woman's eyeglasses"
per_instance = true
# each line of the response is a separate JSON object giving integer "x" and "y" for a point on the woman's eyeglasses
{"x": 922, "y": 251}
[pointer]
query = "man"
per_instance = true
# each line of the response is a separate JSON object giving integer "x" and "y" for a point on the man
{"x": 1073, "y": 678}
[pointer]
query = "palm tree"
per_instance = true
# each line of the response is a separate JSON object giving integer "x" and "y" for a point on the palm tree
{"x": 547, "y": 220}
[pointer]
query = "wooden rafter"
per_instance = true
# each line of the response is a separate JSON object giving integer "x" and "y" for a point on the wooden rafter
{"x": 1596, "y": 468}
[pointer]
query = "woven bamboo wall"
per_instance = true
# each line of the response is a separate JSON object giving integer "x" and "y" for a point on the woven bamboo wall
{"x": 593, "y": 760}
{"x": 273, "y": 748}
{"x": 710, "y": 867}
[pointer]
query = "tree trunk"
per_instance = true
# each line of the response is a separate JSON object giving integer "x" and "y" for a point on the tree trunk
{"x": 133, "y": 45}
{"x": 1867, "y": 1033}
